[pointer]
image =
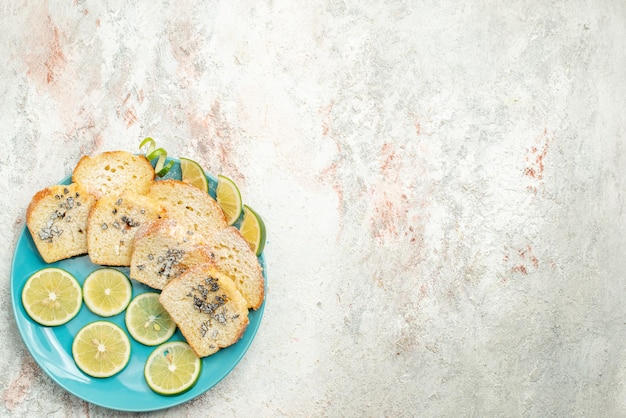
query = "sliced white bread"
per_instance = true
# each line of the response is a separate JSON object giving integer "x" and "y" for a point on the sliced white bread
{"x": 233, "y": 256}
{"x": 112, "y": 172}
{"x": 112, "y": 225}
{"x": 192, "y": 208}
{"x": 162, "y": 251}
{"x": 207, "y": 308}
{"x": 57, "y": 220}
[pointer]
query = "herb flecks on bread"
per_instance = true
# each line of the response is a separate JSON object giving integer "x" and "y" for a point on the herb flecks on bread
{"x": 207, "y": 308}
{"x": 232, "y": 256}
{"x": 163, "y": 250}
{"x": 57, "y": 220}
{"x": 112, "y": 225}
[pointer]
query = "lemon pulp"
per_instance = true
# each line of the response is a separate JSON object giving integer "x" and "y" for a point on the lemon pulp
{"x": 101, "y": 349}
{"x": 147, "y": 321}
{"x": 229, "y": 198}
{"x": 52, "y": 296}
{"x": 107, "y": 292}
{"x": 192, "y": 173}
{"x": 252, "y": 228}
{"x": 172, "y": 368}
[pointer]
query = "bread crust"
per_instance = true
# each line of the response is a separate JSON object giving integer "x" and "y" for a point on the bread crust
{"x": 36, "y": 201}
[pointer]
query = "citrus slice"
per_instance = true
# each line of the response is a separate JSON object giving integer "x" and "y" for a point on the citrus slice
{"x": 192, "y": 173}
{"x": 229, "y": 198}
{"x": 147, "y": 321}
{"x": 107, "y": 291}
{"x": 252, "y": 229}
{"x": 101, "y": 349}
{"x": 172, "y": 368}
{"x": 52, "y": 296}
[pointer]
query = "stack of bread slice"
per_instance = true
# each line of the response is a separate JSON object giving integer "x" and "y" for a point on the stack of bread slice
{"x": 173, "y": 236}
{"x": 58, "y": 216}
{"x": 207, "y": 307}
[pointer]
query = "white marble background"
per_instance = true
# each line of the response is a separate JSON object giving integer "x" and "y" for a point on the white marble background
{"x": 442, "y": 183}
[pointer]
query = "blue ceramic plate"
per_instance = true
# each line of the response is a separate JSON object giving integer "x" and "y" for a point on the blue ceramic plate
{"x": 51, "y": 347}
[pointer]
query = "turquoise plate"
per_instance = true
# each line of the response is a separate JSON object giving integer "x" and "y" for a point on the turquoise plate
{"x": 51, "y": 347}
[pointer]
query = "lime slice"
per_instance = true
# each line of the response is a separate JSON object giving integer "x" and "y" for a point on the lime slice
{"x": 101, "y": 349}
{"x": 229, "y": 198}
{"x": 252, "y": 229}
{"x": 147, "y": 321}
{"x": 52, "y": 296}
{"x": 192, "y": 173}
{"x": 107, "y": 291}
{"x": 172, "y": 368}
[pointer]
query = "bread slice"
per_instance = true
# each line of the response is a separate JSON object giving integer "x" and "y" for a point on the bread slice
{"x": 192, "y": 208}
{"x": 162, "y": 251}
{"x": 207, "y": 308}
{"x": 233, "y": 256}
{"x": 112, "y": 225}
{"x": 112, "y": 172}
{"x": 57, "y": 220}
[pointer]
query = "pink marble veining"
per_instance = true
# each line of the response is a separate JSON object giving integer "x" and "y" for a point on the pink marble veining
{"x": 442, "y": 186}
{"x": 21, "y": 386}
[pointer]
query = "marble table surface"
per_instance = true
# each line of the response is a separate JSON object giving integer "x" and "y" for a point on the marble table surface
{"x": 442, "y": 183}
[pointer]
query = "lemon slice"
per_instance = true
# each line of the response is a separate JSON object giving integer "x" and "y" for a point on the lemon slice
{"x": 252, "y": 229}
{"x": 147, "y": 321}
{"x": 192, "y": 173}
{"x": 101, "y": 349}
{"x": 52, "y": 296}
{"x": 172, "y": 368}
{"x": 229, "y": 198}
{"x": 107, "y": 292}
